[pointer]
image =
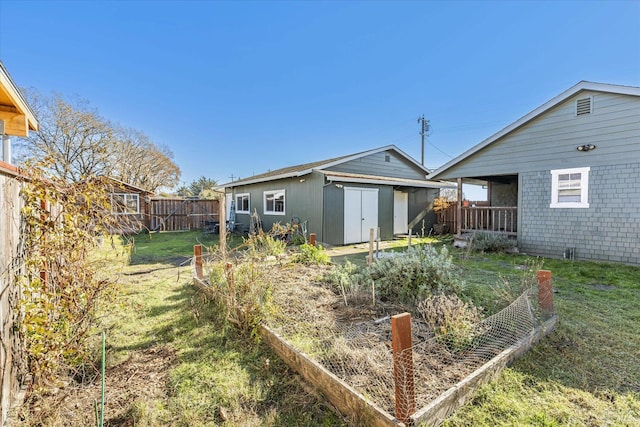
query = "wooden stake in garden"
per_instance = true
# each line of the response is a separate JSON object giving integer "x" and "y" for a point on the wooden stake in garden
{"x": 222, "y": 228}
{"x": 403, "y": 366}
{"x": 372, "y": 233}
{"x": 545, "y": 291}
{"x": 197, "y": 254}
{"x": 312, "y": 239}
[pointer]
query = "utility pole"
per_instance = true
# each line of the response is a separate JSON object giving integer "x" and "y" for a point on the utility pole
{"x": 425, "y": 130}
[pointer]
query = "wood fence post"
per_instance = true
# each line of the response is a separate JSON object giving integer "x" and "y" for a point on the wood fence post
{"x": 410, "y": 234}
{"x": 403, "y": 366}
{"x": 459, "y": 208}
{"x": 230, "y": 280}
{"x": 197, "y": 253}
{"x": 545, "y": 291}
{"x": 312, "y": 239}
{"x": 222, "y": 228}
{"x": 371, "y": 238}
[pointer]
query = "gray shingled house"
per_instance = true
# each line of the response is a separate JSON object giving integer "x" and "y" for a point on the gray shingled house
{"x": 342, "y": 198}
{"x": 565, "y": 178}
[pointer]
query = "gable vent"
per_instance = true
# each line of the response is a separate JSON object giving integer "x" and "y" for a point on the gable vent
{"x": 583, "y": 106}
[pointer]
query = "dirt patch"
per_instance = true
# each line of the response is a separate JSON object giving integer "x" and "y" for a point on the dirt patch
{"x": 130, "y": 386}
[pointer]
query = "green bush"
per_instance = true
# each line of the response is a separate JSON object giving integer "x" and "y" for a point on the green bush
{"x": 491, "y": 242}
{"x": 263, "y": 245}
{"x": 312, "y": 255}
{"x": 453, "y": 321}
{"x": 350, "y": 281}
{"x": 419, "y": 272}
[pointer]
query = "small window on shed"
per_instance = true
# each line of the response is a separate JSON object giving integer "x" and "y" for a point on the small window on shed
{"x": 584, "y": 106}
{"x": 387, "y": 158}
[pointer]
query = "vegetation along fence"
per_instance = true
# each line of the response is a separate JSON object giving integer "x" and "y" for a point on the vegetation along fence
{"x": 12, "y": 358}
{"x": 181, "y": 214}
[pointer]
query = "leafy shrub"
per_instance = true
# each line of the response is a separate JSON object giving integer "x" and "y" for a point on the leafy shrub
{"x": 453, "y": 321}
{"x": 242, "y": 290}
{"x": 419, "y": 272}
{"x": 350, "y": 281}
{"x": 263, "y": 245}
{"x": 312, "y": 255}
{"x": 490, "y": 242}
{"x": 62, "y": 228}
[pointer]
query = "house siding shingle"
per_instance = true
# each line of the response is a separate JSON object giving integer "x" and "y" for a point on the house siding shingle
{"x": 609, "y": 230}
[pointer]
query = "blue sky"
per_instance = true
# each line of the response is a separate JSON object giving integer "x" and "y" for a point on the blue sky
{"x": 239, "y": 88}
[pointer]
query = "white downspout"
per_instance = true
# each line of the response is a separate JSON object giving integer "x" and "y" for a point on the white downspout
{"x": 6, "y": 149}
{"x": 6, "y": 144}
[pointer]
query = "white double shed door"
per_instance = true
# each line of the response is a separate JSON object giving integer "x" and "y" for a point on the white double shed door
{"x": 360, "y": 213}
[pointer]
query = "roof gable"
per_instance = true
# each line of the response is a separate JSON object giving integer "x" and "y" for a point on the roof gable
{"x": 549, "y": 105}
{"x": 15, "y": 112}
{"x": 306, "y": 168}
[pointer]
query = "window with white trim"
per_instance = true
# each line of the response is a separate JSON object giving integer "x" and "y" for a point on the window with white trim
{"x": 570, "y": 188}
{"x": 274, "y": 202}
{"x": 243, "y": 203}
{"x": 125, "y": 203}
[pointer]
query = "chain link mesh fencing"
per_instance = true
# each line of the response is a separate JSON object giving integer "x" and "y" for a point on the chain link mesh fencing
{"x": 360, "y": 353}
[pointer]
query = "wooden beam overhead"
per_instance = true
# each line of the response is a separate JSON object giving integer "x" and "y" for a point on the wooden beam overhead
{"x": 14, "y": 124}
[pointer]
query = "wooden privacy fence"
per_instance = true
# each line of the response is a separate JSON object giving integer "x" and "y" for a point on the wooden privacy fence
{"x": 12, "y": 264}
{"x": 181, "y": 214}
{"x": 481, "y": 218}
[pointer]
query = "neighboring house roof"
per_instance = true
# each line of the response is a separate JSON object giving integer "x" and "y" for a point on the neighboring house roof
{"x": 306, "y": 168}
{"x": 581, "y": 86}
{"x": 127, "y": 185}
{"x": 16, "y": 113}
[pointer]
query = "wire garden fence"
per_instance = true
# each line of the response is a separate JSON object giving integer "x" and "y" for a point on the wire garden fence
{"x": 398, "y": 363}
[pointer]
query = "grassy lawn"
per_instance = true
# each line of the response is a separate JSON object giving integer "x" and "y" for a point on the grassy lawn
{"x": 217, "y": 376}
{"x": 586, "y": 373}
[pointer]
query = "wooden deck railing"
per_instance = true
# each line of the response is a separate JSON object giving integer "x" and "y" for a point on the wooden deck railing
{"x": 501, "y": 219}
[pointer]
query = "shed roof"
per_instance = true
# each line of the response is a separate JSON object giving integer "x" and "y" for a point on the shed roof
{"x": 579, "y": 87}
{"x": 306, "y": 168}
{"x": 16, "y": 113}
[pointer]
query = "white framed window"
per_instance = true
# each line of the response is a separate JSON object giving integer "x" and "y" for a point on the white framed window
{"x": 274, "y": 202}
{"x": 243, "y": 203}
{"x": 570, "y": 188}
{"x": 125, "y": 203}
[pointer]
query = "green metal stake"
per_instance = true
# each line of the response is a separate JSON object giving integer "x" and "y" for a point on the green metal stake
{"x": 104, "y": 335}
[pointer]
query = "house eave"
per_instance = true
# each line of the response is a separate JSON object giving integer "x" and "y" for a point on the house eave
{"x": 18, "y": 116}
{"x": 265, "y": 179}
{"x": 383, "y": 180}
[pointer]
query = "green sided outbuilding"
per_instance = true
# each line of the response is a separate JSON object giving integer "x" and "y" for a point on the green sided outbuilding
{"x": 342, "y": 198}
